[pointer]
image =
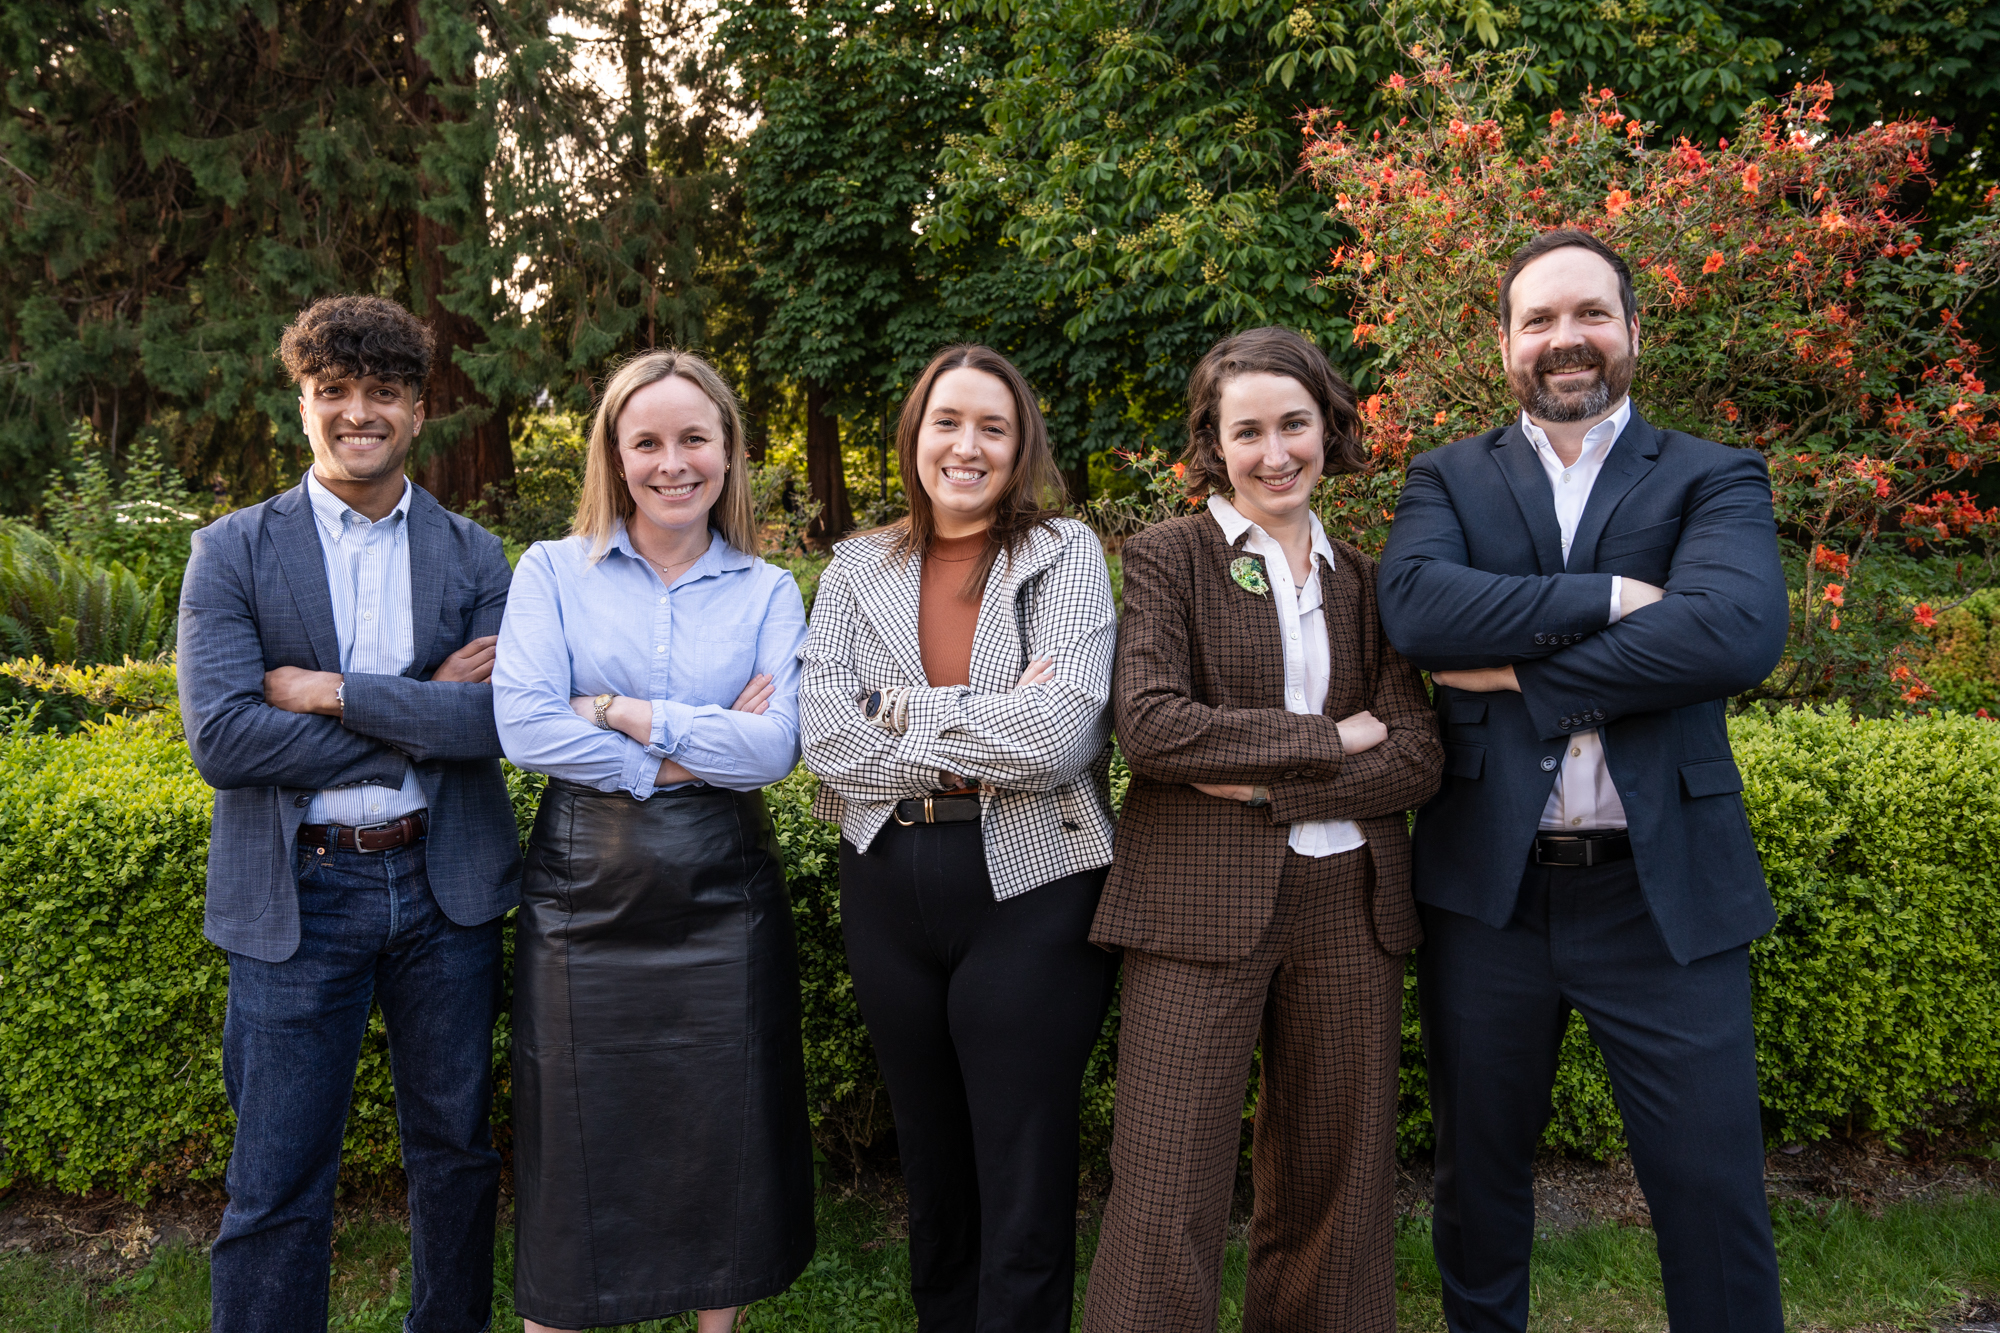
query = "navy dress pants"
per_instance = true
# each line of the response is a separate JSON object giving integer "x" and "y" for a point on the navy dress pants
{"x": 1678, "y": 1045}
{"x": 369, "y": 930}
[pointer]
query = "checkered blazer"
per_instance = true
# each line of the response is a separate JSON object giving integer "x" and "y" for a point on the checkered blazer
{"x": 1200, "y": 698}
{"x": 1040, "y": 754}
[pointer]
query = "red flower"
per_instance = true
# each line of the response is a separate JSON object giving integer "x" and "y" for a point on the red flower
{"x": 1441, "y": 418}
{"x": 1729, "y": 411}
{"x": 1750, "y": 178}
{"x": 1617, "y": 202}
{"x": 1924, "y": 616}
{"x": 1835, "y": 594}
{"x": 1713, "y": 263}
{"x": 1832, "y": 561}
{"x": 1556, "y": 118}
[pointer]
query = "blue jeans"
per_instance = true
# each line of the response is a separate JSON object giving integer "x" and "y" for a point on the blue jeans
{"x": 369, "y": 930}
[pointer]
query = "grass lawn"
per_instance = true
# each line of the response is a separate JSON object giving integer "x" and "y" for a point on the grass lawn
{"x": 1843, "y": 1269}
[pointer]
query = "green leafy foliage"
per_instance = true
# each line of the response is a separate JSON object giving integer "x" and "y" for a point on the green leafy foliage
{"x": 1787, "y": 303}
{"x": 855, "y": 100}
{"x": 1878, "y": 995}
{"x": 65, "y": 608}
{"x": 142, "y": 518}
{"x": 1963, "y": 662}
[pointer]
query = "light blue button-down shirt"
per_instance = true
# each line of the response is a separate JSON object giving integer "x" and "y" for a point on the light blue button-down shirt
{"x": 578, "y": 627}
{"x": 368, "y": 574}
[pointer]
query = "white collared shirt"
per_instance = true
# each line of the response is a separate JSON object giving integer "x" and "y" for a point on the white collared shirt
{"x": 1585, "y": 797}
{"x": 1308, "y": 660}
{"x": 368, "y": 579}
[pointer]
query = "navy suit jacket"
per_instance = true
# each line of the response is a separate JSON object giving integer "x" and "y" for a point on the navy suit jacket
{"x": 255, "y": 598}
{"x": 1474, "y": 576}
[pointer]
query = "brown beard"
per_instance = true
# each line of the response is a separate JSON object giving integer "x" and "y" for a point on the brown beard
{"x": 1544, "y": 403}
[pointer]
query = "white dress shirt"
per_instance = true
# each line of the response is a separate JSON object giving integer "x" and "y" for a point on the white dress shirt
{"x": 1585, "y": 797}
{"x": 368, "y": 575}
{"x": 1302, "y": 627}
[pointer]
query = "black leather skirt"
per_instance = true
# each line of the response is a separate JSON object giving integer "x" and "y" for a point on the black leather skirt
{"x": 662, "y": 1159}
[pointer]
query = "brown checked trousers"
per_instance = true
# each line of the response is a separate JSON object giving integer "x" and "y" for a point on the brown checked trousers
{"x": 1231, "y": 938}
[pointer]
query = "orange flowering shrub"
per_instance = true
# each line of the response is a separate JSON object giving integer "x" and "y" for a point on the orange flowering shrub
{"x": 1787, "y": 302}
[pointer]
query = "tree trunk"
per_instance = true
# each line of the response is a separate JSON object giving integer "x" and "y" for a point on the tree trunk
{"x": 1076, "y": 480}
{"x": 824, "y": 473}
{"x": 471, "y": 450}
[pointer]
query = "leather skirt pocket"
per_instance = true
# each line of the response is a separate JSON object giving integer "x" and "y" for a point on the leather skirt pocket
{"x": 662, "y": 1155}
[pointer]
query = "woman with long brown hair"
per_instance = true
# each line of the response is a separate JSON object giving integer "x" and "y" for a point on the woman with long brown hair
{"x": 953, "y": 704}
{"x": 648, "y": 664}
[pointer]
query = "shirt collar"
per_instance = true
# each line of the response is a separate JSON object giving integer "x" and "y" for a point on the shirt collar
{"x": 719, "y": 558}
{"x": 1234, "y": 525}
{"x": 332, "y": 511}
{"x": 1597, "y": 441}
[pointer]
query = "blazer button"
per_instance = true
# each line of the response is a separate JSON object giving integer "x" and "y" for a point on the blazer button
{"x": 1292, "y": 773}
{"x": 1541, "y": 638}
{"x": 1548, "y": 763}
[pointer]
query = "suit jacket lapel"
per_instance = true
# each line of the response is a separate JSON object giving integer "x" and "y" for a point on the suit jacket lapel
{"x": 1517, "y": 462}
{"x": 303, "y": 561}
{"x": 426, "y": 525}
{"x": 1250, "y": 615}
{"x": 1630, "y": 459}
{"x": 888, "y": 600}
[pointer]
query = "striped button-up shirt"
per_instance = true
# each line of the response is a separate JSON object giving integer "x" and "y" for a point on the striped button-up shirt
{"x": 368, "y": 575}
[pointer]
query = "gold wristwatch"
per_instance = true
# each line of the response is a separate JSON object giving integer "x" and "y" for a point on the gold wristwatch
{"x": 599, "y": 707}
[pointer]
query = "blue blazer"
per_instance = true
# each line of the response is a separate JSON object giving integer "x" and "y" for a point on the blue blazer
{"x": 256, "y": 597}
{"x": 1474, "y": 576}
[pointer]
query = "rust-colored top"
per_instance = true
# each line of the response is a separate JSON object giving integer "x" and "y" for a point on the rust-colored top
{"x": 945, "y": 619}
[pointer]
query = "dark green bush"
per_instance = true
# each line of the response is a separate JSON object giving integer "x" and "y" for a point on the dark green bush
{"x": 1963, "y": 664}
{"x": 1878, "y": 995}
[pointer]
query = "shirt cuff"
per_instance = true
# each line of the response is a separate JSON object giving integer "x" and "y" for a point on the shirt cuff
{"x": 1617, "y": 596}
{"x": 671, "y": 722}
{"x": 933, "y": 710}
{"x": 640, "y": 770}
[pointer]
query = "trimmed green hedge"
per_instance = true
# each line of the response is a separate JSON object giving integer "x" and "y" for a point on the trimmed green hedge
{"x": 1878, "y": 996}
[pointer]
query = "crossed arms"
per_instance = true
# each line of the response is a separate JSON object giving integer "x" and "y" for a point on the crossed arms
{"x": 252, "y": 727}
{"x": 1717, "y": 630}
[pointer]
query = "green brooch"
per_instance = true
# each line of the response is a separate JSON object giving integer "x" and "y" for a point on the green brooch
{"x": 1248, "y": 571}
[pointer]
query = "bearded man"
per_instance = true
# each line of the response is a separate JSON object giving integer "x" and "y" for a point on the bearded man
{"x": 1587, "y": 592}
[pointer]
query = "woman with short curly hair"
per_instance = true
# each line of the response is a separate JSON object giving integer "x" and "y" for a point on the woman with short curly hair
{"x": 1261, "y": 890}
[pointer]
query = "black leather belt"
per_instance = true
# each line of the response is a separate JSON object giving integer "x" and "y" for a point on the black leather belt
{"x": 367, "y": 837}
{"x": 1581, "y": 849}
{"x": 937, "y": 810}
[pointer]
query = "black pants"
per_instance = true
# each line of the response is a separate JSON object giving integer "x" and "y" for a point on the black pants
{"x": 983, "y": 1015}
{"x": 1678, "y": 1045}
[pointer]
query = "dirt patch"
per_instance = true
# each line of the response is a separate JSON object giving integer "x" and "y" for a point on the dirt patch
{"x": 1574, "y": 1192}
{"x": 104, "y": 1236}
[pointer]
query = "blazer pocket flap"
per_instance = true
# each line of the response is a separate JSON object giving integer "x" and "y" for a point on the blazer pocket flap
{"x": 1711, "y": 777}
{"x": 1639, "y": 539}
{"x": 1463, "y": 761}
{"x": 1466, "y": 710}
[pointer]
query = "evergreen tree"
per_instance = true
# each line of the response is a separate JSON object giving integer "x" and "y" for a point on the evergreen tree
{"x": 181, "y": 180}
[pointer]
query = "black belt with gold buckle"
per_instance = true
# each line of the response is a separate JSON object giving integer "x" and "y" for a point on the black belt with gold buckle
{"x": 382, "y": 837}
{"x": 1581, "y": 849}
{"x": 937, "y": 810}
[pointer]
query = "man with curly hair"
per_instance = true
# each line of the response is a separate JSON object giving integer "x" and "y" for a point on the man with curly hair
{"x": 335, "y": 644}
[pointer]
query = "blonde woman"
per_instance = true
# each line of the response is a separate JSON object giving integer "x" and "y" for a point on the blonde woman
{"x": 955, "y": 709}
{"x": 648, "y": 664}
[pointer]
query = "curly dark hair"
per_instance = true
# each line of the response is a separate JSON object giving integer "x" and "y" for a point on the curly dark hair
{"x": 339, "y": 336}
{"x": 1266, "y": 351}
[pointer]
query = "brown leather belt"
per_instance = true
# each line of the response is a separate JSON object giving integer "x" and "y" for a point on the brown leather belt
{"x": 937, "y": 810}
{"x": 1581, "y": 849}
{"x": 367, "y": 837}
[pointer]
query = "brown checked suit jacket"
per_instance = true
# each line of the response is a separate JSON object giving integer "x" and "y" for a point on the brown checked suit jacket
{"x": 1198, "y": 696}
